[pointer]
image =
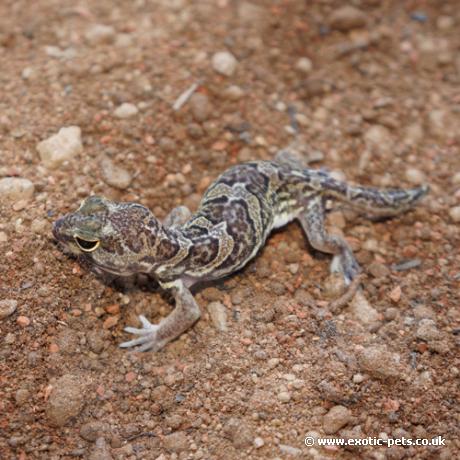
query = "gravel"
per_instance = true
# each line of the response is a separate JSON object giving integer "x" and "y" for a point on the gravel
{"x": 15, "y": 189}
{"x": 61, "y": 147}
{"x": 126, "y": 110}
{"x": 336, "y": 418}
{"x": 225, "y": 63}
{"x": 113, "y": 175}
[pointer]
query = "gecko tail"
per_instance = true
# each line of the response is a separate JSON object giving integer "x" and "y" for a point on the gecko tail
{"x": 376, "y": 201}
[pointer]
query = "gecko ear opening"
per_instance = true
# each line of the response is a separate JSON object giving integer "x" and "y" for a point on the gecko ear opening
{"x": 86, "y": 245}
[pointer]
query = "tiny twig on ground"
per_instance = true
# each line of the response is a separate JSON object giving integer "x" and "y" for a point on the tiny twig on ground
{"x": 185, "y": 96}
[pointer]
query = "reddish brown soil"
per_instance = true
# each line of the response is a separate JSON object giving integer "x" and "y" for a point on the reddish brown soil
{"x": 285, "y": 360}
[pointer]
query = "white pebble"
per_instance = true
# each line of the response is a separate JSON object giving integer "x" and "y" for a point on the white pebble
{"x": 14, "y": 189}
{"x": 126, "y": 110}
{"x": 99, "y": 33}
{"x": 456, "y": 179}
{"x": 415, "y": 176}
{"x": 233, "y": 93}
{"x": 218, "y": 314}
{"x": 61, "y": 147}
{"x": 304, "y": 65}
{"x": 258, "y": 442}
{"x": 284, "y": 396}
{"x": 224, "y": 63}
{"x": 454, "y": 213}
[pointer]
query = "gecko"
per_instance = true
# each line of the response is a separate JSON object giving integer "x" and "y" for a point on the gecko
{"x": 237, "y": 213}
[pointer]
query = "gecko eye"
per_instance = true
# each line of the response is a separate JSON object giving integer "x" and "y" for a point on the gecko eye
{"x": 86, "y": 245}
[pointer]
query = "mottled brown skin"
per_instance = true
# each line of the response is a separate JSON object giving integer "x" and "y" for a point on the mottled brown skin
{"x": 234, "y": 219}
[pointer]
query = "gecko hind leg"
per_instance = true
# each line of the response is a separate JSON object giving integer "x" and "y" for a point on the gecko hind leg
{"x": 312, "y": 222}
{"x": 178, "y": 216}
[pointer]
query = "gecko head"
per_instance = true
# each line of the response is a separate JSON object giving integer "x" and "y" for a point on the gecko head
{"x": 112, "y": 237}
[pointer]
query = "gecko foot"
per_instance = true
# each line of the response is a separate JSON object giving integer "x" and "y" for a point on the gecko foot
{"x": 148, "y": 339}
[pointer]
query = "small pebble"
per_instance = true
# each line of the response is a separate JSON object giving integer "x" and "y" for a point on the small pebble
{"x": 454, "y": 213}
{"x": 258, "y": 442}
{"x": 113, "y": 175}
{"x": 97, "y": 34}
{"x": 441, "y": 124}
{"x": 304, "y": 65}
{"x": 7, "y": 307}
{"x": 290, "y": 450}
{"x": 415, "y": 176}
{"x": 238, "y": 431}
{"x": 233, "y": 93}
{"x": 15, "y": 189}
{"x": 224, "y": 63}
{"x": 413, "y": 134}
{"x": 284, "y": 396}
{"x": 428, "y": 331}
{"x": 358, "y": 378}
{"x": 21, "y": 396}
{"x": 126, "y": 110}
{"x": 445, "y": 22}
{"x": 60, "y": 147}
{"x": 218, "y": 314}
{"x": 200, "y": 107}
{"x": 378, "y": 270}
{"x": 419, "y": 16}
{"x": 91, "y": 431}
{"x": 395, "y": 294}
{"x": 23, "y": 321}
{"x": 347, "y": 18}
{"x": 362, "y": 310}
{"x": 336, "y": 418}
{"x": 379, "y": 363}
{"x": 66, "y": 399}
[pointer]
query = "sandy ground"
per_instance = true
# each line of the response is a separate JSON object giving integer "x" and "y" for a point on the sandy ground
{"x": 371, "y": 93}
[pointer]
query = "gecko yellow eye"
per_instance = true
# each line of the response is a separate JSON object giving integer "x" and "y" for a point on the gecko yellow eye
{"x": 86, "y": 245}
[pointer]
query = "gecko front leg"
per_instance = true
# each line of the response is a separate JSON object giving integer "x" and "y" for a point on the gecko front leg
{"x": 155, "y": 336}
